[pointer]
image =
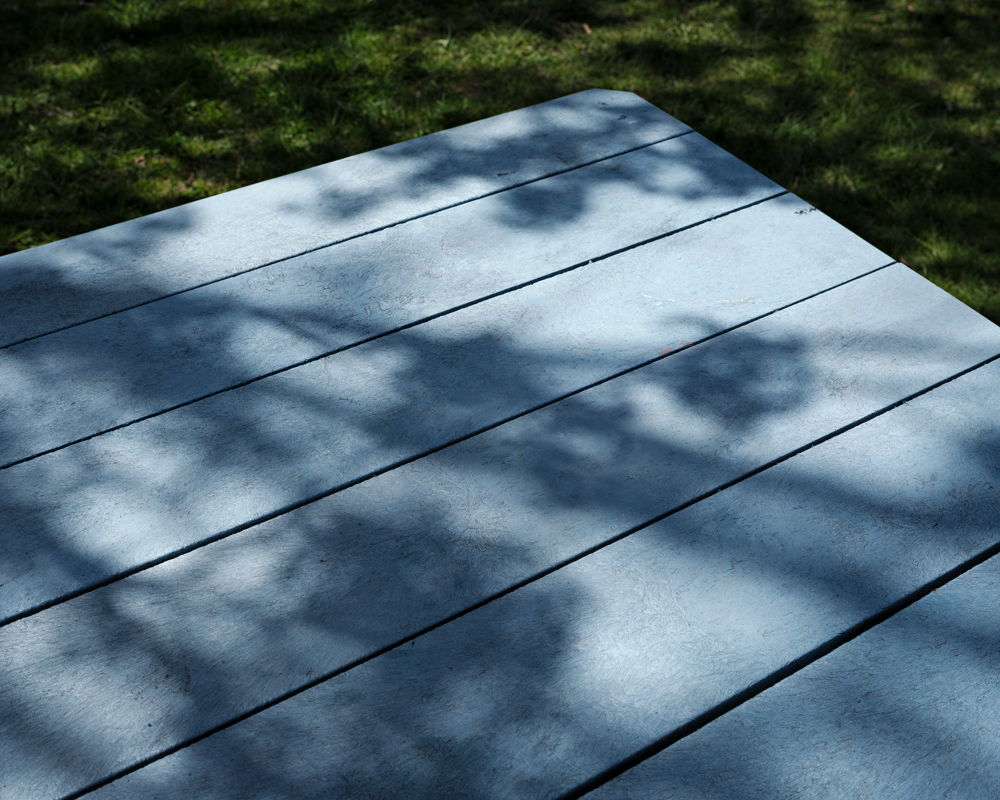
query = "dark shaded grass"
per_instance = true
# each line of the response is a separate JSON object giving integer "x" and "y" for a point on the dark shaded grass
{"x": 886, "y": 115}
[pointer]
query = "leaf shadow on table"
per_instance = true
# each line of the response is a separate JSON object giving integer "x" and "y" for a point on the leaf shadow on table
{"x": 907, "y": 707}
{"x": 526, "y": 696}
{"x": 105, "y": 271}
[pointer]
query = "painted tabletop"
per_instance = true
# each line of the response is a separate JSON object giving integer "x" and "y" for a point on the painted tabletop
{"x": 558, "y": 454}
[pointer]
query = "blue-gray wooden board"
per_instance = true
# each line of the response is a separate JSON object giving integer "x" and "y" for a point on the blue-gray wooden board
{"x": 452, "y": 529}
{"x": 907, "y": 710}
{"x": 545, "y": 687}
{"x": 472, "y": 466}
{"x": 98, "y": 273}
{"x": 84, "y": 380}
{"x": 732, "y": 403}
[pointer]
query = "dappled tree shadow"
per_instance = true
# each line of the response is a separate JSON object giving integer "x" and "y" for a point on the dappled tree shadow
{"x": 887, "y": 153}
{"x": 309, "y": 591}
{"x": 165, "y": 354}
{"x": 129, "y": 264}
{"x": 906, "y": 707}
{"x": 309, "y": 555}
{"x": 514, "y": 699}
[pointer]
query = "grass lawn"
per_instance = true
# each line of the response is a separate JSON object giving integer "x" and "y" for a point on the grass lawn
{"x": 885, "y": 115}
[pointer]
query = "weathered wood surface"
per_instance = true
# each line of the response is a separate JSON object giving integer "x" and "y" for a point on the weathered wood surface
{"x": 428, "y": 522}
{"x": 731, "y": 404}
{"x": 534, "y": 341}
{"x": 547, "y": 686}
{"x": 90, "y": 378}
{"x": 907, "y": 710}
{"x": 313, "y": 591}
{"x": 84, "y": 277}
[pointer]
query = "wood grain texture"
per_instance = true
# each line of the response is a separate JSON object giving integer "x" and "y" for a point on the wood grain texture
{"x": 166, "y": 654}
{"x": 547, "y": 686}
{"x": 93, "y": 377}
{"x": 907, "y": 710}
{"x": 144, "y": 491}
{"x": 83, "y": 277}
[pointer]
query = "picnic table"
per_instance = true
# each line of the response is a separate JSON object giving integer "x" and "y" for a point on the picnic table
{"x": 561, "y": 452}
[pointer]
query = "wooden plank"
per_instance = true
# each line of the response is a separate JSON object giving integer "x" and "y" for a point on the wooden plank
{"x": 91, "y": 378}
{"x": 85, "y": 513}
{"x": 97, "y": 273}
{"x": 551, "y": 684}
{"x": 166, "y": 654}
{"x": 908, "y": 709}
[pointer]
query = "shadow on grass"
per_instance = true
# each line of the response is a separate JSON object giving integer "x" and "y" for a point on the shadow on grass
{"x": 885, "y": 119}
{"x": 536, "y": 690}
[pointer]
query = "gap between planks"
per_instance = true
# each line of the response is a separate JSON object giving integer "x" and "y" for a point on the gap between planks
{"x": 698, "y": 722}
{"x": 342, "y": 241}
{"x": 142, "y": 567}
{"x": 795, "y": 666}
{"x": 399, "y": 328}
{"x": 170, "y": 352}
{"x": 335, "y": 447}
